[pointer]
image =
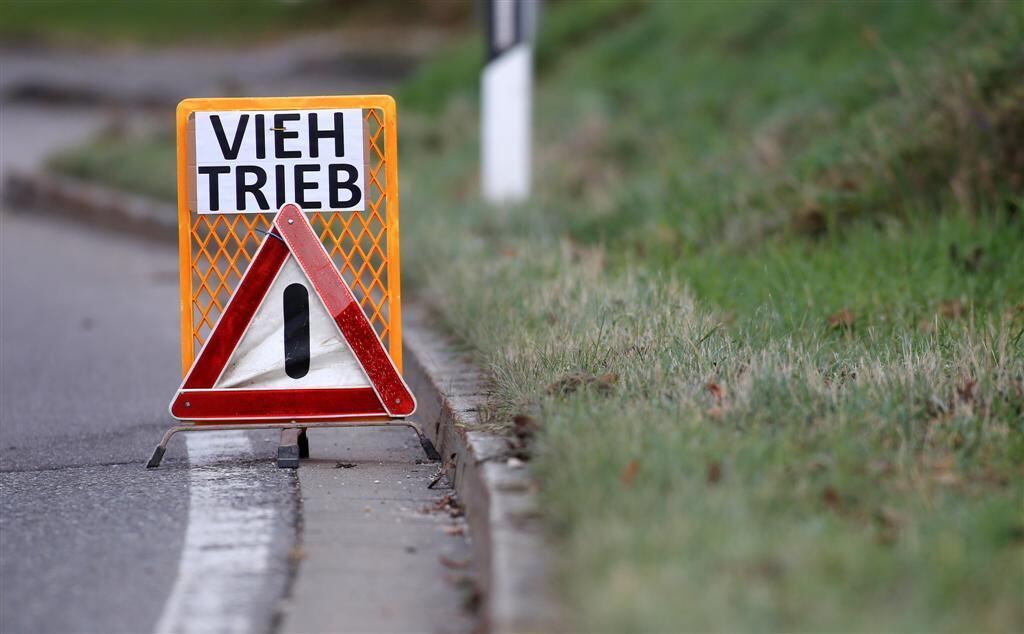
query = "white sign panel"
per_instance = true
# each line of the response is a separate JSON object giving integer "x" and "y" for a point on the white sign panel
{"x": 256, "y": 161}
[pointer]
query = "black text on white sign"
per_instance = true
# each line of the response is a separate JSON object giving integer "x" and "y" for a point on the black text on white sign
{"x": 256, "y": 161}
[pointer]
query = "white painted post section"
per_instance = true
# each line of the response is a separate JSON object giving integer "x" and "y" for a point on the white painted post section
{"x": 506, "y": 100}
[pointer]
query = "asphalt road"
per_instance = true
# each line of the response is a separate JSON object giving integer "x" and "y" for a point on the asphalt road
{"x": 90, "y": 541}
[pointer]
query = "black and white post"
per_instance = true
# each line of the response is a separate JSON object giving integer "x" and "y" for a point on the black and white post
{"x": 506, "y": 99}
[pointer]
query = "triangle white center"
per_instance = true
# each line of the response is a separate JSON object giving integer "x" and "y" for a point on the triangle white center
{"x": 258, "y": 360}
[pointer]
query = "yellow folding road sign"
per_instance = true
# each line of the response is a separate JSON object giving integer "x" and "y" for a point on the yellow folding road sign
{"x": 225, "y": 212}
{"x": 291, "y": 306}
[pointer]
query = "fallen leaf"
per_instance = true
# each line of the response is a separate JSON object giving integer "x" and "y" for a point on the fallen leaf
{"x": 716, "y": 391}
{"x": 629, "y": 472}
{"x": 457, "y": 564}
{"x": 831, "y": 498}
{"x": 525, "y": 426}
{"x": 965, "y": 391}
{"x": 951, "y": 309}
{"x": 606, "y": 382}
{"x": 441, "y": 473}
{"x": 714, "y": 472}
{"x": 449, "y": 505}
{"x": 842, "y": 319}
{"x": 570, "y": 383}
{"x": 567, "y": 384}
{"x": 810, "y": 221}
{"x": 849, "y": 185}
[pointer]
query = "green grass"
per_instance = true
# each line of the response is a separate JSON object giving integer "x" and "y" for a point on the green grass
{"x": 866, "y": 480}
{"x": 132, "y": 161}
{"x": 715, "y": 182}
{"x": 214, "y": 22}
{"x": 766, "y": 308}
{"x": 160, "y": 21}
{"x": 457, "y": 70}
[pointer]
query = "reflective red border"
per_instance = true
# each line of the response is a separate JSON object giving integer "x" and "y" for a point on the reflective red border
{"x": 276, "y": 404}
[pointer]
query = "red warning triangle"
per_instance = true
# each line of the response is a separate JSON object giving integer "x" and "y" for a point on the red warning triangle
{"x": 215, "y": 389}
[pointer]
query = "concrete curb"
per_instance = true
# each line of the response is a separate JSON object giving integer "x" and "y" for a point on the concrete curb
{"x": 93, "y": 204}
{"x": 510, "y": 552}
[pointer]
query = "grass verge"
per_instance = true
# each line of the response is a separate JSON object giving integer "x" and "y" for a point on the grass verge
{"x": 761, "y": 326}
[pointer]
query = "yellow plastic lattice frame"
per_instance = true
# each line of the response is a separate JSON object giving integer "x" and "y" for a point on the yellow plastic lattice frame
{"x": 214, "y": 250}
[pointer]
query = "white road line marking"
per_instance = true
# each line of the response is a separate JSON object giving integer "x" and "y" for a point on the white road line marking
{"x": 227, "y": 541}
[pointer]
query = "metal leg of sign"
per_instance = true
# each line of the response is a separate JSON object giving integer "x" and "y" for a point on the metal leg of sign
{"x": 428, "y": 447}
{"x": 158, "y": 453}
{"x": 288, "y": 449}
{"x": 300, "y": 441}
